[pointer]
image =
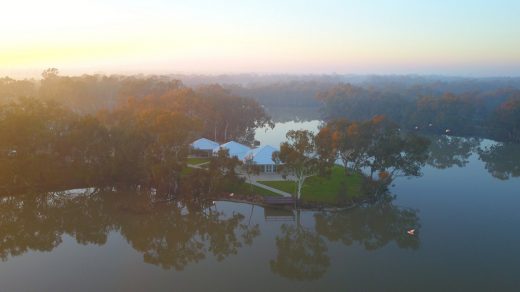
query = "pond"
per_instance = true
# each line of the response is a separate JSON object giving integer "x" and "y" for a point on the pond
{"x": 464, "y": 208}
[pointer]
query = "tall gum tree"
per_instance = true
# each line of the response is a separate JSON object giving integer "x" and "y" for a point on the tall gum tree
{"x": 301, "y": 157}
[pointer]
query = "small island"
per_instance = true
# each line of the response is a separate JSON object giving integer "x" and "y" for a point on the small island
{"x": 344, "y": 164}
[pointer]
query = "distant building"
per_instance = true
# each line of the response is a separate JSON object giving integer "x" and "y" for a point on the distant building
{"x": 203, "y": 147}
{"x": 235, "y": 149}
{"x": 263, "y": 157}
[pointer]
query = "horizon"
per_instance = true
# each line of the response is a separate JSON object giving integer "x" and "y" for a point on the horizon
{"x": 467, "y": 38}
{"x": 37, "y": 74}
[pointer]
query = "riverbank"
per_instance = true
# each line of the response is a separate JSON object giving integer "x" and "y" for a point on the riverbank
{"x": 335, "y": 192}
{"x": 330, "y": 190}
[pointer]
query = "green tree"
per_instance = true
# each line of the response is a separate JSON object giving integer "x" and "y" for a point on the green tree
{"x": 301, "y": 157}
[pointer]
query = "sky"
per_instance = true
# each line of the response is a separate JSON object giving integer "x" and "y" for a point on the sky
{"x": 451, "y": 37}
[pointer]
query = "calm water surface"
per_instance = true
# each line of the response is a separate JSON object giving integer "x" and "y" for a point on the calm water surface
{"x": 465, "y": 208}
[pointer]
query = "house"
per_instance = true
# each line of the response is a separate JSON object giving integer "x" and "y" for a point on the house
{"x": 203, "y": 147}
{"x": 263, "y": 157}
{"x": 235, "y": 149}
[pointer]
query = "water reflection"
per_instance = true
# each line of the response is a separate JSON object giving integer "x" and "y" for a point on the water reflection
{"x": 302, "y": 251}
{"x": 170, "y": 235}
{"x": 449, "y": 151}
{"x": 502, "y": 160}
{"x": 371, "y": 226}
{"x": 176, "y": 234}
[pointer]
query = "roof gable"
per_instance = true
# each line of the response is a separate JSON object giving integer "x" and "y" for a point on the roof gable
{"x": 204, "y": 144}
{"x": 262, "y": 155}
{"x": 234, "y": 148}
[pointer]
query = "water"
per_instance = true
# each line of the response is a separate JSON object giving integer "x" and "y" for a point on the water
{"x": 465, "y": 210}
{"x": 276, "y": 135}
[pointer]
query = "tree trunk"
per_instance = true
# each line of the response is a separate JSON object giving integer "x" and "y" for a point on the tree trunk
{"x": 345, "y": 166}
{"x": 225, "y": 132}
{"x": 300, "y": 186}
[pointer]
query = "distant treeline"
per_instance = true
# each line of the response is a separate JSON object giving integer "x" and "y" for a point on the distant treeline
{"x": 487, "y": 107}
{"x": 302, "y": 90}
{"x": 484, "y": 107}
{"x": 493, "y": 114}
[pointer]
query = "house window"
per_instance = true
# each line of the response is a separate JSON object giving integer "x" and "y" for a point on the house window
{"x": 268, "y": 168}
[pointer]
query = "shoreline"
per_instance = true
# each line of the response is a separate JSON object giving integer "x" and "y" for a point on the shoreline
{"x": 258, "y": 200}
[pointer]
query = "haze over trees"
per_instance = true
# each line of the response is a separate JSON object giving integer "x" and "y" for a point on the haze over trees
{"x": 61, "y": 139}
{"x": 486, "y": 114}
{"x": 135, "y": 130}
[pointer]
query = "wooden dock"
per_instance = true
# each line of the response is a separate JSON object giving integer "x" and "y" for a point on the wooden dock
{"x": 279, "y": 200}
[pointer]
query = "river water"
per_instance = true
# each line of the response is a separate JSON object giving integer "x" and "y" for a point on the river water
{"x": 464, "y": 208}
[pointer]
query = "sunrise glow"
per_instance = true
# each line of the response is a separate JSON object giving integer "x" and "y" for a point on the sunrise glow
{"x": 449, "y": 37}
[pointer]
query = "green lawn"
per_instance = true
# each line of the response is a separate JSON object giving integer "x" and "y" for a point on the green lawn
{"x": 324, "y": 189}
{"x": 246, "y": 190}
{"x": 198, "y": 160}
{"x": 187, "y": 170}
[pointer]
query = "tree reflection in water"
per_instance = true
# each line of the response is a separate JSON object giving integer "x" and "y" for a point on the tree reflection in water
{"x": 178, "y": 233}
{"x": 170, "y": 235}
{"x": 448, "y": 151}
{"x": 502, "y": 160}
{"x": 302, "y": 252}
{"x": 371, "y": 226}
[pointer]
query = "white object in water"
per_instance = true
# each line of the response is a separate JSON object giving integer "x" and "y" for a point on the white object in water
{"x": 411, "y": 232}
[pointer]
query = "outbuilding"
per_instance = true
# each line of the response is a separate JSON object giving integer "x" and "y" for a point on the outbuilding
{"x": 203, "y": 147}
{"x": 263, "y": 157}
{"x": 235, "y": 149}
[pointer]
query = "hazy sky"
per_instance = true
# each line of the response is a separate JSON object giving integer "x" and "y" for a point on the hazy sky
{"x": 456, "y": 37}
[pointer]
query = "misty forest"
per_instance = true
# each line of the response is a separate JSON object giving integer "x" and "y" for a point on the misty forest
{"x": 63, "y": 132}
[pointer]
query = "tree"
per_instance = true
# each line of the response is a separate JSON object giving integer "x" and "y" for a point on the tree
{"x": 393, "y": 153}
{"x": 348, "y": 140}
{"x": 377, "y": 144}
{"x": 165, "y": 156}
{"x": 506, "y": 119}
{"x": 251, "y": 168}
{"x": 222, "y": 172}
{"x": 50, "y": 73}
{"x": 301, "y": 157}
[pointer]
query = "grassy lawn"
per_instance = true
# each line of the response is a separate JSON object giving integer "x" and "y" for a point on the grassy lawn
{"x": 323, "y": 189}
{"x": 187, "y": 170}
{"x": 245, "y": 189}
{"x": 198, "y": 160}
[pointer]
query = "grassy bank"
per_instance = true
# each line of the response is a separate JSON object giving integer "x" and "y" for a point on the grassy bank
{"x": 330, "y": 189}
{"x": 198, "y": 160}
{"x": 246, "y": 190}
